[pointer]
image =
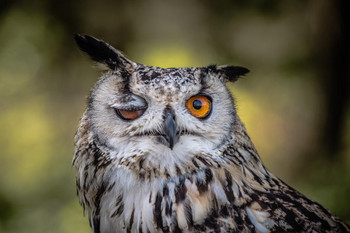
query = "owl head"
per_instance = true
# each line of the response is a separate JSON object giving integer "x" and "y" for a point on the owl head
{"x": 160, "y": 116}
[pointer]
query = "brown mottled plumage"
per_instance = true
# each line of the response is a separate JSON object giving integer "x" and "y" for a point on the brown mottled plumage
{"x": 145, "y": 163}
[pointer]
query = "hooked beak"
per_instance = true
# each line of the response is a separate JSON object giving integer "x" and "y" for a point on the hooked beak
{"x": 170, "y": 128}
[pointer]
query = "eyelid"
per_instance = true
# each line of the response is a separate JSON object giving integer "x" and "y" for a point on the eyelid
{"x": 129, "y": 115}
{"x": 129, "y": 102}
{"x": 131, "y": 108}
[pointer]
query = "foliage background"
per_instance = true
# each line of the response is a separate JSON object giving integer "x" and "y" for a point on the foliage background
{"x": 294, "y": 102}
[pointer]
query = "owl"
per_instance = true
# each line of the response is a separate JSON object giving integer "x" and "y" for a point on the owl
{"x": 163, "y": 150}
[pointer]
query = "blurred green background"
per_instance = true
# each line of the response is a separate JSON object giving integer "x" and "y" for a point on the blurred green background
{"x": 294, "y": 102}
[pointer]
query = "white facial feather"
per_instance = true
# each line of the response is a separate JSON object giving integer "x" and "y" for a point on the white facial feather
{"x": 123, "y": 137}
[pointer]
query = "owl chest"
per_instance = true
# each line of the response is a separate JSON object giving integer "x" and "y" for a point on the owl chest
{"x": 184, "y": 204}
{"x": 128, "y": 211}
{"x": 131, "y": 206}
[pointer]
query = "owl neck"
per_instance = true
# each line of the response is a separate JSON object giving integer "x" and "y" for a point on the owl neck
{"x": 241, "y": 141}
{"x": 243, "y": 162}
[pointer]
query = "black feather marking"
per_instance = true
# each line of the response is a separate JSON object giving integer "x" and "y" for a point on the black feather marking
{"x": 131, "y": 220}
{"x": 180, "y": 191}
{"x": 157, "y": 213}
{"x": 188, "y": 213}
{"x": 142, "y": 160}
{"x": 110, "y": 187}
{"x": 176, "y": 228}
{"x": 99, "y": 195}
{"x": 99, "y": 51}
{"x": 166, "y": 173}
{"x": 195, "y": 163}
{"x": 119, "y": 205}
{"x": 204, "y": 161}
{"x": 168, "y": 208}
{"x": 203, "y": 185}
{"x": 178, "y": 170}
{"x": 211, "y": 221}
{"x": 255, "y": 176}
{"x": 96, "y": 218}
{"x": 150, "y": 197}
{"x": 140, "y": 226}
{"x": 165, "y": 191}
{"x": 208, "y": 175}
{"x": 224, "y": 211}
{"x": 96, "y": 221}
{"x": 228, "y": 187}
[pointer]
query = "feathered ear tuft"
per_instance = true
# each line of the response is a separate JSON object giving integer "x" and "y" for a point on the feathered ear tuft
{"x": 229, "y": 73}
{"x": 232, "y": 73}
{"x": 102, "y": 52}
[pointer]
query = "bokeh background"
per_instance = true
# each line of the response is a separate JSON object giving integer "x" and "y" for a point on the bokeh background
{"x": 294, "y": 101}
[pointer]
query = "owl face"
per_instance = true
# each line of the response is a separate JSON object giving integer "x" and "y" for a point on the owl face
{"x": 164, "y": 116}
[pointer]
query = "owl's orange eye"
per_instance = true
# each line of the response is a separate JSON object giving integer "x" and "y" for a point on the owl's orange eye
{"x": 199, "y": 106}
{"x": 129, "y": 115}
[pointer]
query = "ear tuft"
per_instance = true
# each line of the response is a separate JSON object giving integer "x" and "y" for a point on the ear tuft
{"x": 101, "y": 52}
{"x": 231, "y": 73}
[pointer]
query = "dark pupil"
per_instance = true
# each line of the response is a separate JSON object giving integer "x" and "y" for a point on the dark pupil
{"x": 197, "y": 104}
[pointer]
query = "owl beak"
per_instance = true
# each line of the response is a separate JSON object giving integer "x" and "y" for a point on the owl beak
{"x": 170, "y": 128}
